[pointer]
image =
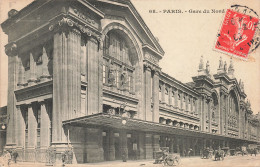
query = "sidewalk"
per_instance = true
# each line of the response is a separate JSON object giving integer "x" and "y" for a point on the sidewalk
{"x": 116, "y": 163}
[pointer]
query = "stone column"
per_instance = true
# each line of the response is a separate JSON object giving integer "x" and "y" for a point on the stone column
{"x": 32, "y": 133}
{"x": 171, "y": 99}
{"x": 156, "y": 97}
{"x": 210, "y": 143}
{"x": 178, "y": 145}
{"x": 32, "y": 78}
{"x": 45, "y": 125}
{"x": 163, "y": 92}
{"x": 93, "y": 77}
{"x": 171, "y": 145}
{"x": 147, "y": 97}
{"x": 11, "y": 52}
{"x": 202, "y": 111}
{"x": 141, "y": 145}
{"x": 111, "y": 146}
{"x": 20, "y": 76}
{"x": 32, "y": 126}
{"x": 226, "y": 113}
{"x": 66, "y": 80}
{"x": 175, "y": 103}
{"x": 209, "y": 115}
{"x": 148, "y": 146}
{"x": 186, "y": 102}
{"x": 156, "y": 144}
{"x": 191, "y": 104}
{"x": 220, "y": 113}
{"x": 123, "y": 143}
{"x": 20, "y": 132}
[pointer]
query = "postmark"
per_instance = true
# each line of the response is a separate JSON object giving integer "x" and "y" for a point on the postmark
{"x": 239, "y": 33}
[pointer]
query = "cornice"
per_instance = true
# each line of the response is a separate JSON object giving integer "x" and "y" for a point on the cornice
{"x": 175, "y": 81}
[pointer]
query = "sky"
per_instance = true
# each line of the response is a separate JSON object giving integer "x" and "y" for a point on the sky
{"x": 185, "y": 37}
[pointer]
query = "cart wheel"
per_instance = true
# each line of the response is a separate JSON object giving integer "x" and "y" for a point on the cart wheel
{"x": 170, "y": 161}
{"x": 178, "y": 160}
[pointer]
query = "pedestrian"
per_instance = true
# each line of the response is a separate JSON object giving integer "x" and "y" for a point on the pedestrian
{"x": 14, "y": 155}
{"x": 7, "y": 158}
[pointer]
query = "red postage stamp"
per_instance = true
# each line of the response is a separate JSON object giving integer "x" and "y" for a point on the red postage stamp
{"x": 237, "y": 32}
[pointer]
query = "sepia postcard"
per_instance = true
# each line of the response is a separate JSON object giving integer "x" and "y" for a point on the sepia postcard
{"x": 130, "y": 83}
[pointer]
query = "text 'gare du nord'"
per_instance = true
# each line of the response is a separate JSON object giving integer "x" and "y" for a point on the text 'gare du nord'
{"x": 85, "y": 74}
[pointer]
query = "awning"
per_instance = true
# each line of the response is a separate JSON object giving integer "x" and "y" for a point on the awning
{"x": 115, "y": 121}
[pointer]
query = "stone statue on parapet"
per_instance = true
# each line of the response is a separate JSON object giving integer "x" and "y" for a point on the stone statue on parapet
{"x": 220, "y": 63}
{"x": 201, "y": 63}
{"x": 207, "y": 68}
{"x": 225, "y": 66}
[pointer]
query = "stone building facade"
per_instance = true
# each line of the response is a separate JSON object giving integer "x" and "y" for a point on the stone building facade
{"x": 84, "y": 75}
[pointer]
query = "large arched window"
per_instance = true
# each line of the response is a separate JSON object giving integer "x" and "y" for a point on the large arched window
{"x": 173, "y": 97}
{"x": 233, "y": 110}
{"x": 214, "y": 108}
{"x": 179, "y": 100}
{"x": 166, "y": 92}
{"x": 119, "y": 62}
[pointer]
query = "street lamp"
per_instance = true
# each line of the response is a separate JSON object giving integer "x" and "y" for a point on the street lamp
{"x": 123, "y": 121}
{"x": 3, "y": 126}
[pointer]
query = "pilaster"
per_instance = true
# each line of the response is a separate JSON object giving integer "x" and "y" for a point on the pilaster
{"x": 156, "y": 97}
{"x": 111, "y": 146}
{"x": 20, "y": 132}
{"x": 148, "y": 146}
{"x": 32, "y": 127}
{"x": 93, "y": 90}
{"x": 148, "y": 92}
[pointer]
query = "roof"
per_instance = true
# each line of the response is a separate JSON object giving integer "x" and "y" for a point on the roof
{"x": 115, "y": 121}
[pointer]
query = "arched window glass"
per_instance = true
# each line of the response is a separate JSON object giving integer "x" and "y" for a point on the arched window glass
{"x": 173, "y": 97}
{"x": 166, "y": 95}
{"x": 118, "y": 64}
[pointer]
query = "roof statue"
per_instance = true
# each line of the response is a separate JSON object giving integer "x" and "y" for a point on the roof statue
{"x": 207, "y": 68}
{"x": 242, "y": 86}
{"x": 201, "y": 63}
{"x": 231, "y": 69}
{"x": 221, "y": 66}
{"x": 225, "y": 66}
{"x": 201, "y": 70}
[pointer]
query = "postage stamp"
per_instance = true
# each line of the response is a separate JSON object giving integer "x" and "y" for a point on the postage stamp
{"x": 237, "y": 36}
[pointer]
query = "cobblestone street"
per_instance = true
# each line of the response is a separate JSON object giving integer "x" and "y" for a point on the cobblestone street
{"x": 237, "y": 161}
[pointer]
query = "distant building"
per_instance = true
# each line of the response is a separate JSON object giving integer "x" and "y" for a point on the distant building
{"x": 3, "y": 125}
{"x": 85, "y": 75}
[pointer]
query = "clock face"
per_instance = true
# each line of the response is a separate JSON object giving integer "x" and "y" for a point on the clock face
{"x": 255, "y": 42}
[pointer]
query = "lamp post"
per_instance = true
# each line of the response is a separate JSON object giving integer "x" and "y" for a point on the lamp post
{"x": 124, "y": 121}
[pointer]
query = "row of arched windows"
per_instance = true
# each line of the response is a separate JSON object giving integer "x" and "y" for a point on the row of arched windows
{"x": 175, "y": 98}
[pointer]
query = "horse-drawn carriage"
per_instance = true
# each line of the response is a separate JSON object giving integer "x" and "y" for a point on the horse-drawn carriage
{"x": 206, "y": 153}
{"x": 163, "y": 156}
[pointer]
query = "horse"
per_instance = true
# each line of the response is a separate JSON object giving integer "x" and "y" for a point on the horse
{"x": 205, "y": 153}
{"x": 219, "y": 154}
{"x": 253, "y": 151}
